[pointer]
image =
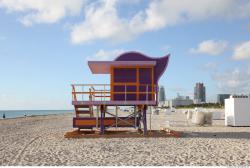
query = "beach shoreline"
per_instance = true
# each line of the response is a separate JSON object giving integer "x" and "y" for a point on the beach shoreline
{"x": 35, "y": 116}
{"x": 12, "y": 114}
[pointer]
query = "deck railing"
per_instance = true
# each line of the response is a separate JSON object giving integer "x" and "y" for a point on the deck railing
{"x": 104, "y": 92}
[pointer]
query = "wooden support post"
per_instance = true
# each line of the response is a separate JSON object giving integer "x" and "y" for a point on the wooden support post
{"x": 116, "y": 116}
{"x": 104, "y": 112}
{"x": 102, "y": 119}
{"x": 145, "y": 131}
{"x": 139, "y": 117}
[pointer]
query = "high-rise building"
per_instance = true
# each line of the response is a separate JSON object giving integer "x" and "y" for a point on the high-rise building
{"x": 162, "y": 96}
{"x": 199, "y": 93}
{"x": 222, "y": 97}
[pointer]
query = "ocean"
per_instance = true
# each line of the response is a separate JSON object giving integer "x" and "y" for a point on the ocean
{"x": 23, "y": 113}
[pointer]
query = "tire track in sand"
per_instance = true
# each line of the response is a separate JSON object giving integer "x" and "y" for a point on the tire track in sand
{"x": 20, "y": 155}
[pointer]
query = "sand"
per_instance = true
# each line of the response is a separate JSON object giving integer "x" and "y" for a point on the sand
{"x": 40, "y": 141}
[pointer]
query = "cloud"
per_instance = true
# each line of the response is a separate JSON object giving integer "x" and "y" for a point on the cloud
{"x": 103, "y": 21}
{"x": 210, "y": 47}
{"x": 42, "y": 11}
{"x": 233, "y": 81}
{"x": 104, "y": 55}
{"x": 242, "y": 51}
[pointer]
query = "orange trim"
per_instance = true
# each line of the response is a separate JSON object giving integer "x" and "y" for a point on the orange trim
{"x": 90, "y": 84}
{"x": 133, "y": 84}
{"x": 93, "y": 93}
{"x": 74, "y": 94}
{"x": 132, "y": 92}
{"x": 131, "y": 67}
{"x": 102, "y": 96}
{"x": 107, "y": 122}
{"x": 124, "y": 83}
{"x": 85, "y": 122}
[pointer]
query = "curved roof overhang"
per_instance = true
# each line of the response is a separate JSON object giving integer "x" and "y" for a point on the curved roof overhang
{"x": 103, "y": 67}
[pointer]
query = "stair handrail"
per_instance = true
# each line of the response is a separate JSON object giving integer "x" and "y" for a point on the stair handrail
{"x": 74, "y": 93}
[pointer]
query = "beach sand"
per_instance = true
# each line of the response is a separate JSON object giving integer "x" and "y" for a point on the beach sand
{"x": 40, "y": 141}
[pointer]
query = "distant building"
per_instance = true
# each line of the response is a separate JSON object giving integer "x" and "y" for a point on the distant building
{"x": 199, "y": 93}
{"x": 178, "y": 101}
{"x": 166, "y": 103}
{"x": 162, "y": 96}
{"x": 222, "y": 97}
{"x": 181, "y": 101}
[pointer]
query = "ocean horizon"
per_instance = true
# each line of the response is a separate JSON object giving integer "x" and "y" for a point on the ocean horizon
{"x": 26, "y": 113}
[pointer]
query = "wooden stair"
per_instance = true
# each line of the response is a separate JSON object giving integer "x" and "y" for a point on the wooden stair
{"x": 84, "y": 109}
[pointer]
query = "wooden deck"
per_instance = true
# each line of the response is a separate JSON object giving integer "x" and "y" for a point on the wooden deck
{"x": 90, "y": 122}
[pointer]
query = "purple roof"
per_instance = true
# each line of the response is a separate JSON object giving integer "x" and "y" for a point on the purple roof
{"x": 161, "y": 63}
{"x": 132, "y": 58}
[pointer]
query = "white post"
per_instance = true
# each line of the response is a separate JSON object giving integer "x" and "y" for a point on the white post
{"x": 135, "y": 115}
{"x": 150, "y": 118}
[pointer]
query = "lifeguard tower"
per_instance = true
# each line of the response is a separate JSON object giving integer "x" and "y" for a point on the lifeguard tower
{"x": 133, "y": 82}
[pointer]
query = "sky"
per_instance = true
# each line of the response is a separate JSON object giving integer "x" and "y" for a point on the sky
{"x": 45, "y": 45}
